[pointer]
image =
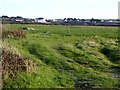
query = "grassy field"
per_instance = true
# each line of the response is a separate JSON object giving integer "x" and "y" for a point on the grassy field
{"x": 65, "y": 56}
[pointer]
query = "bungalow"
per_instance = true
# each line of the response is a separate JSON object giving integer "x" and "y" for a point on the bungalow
{"x": 19, "y": 20}
{"x": 41, "y": 20}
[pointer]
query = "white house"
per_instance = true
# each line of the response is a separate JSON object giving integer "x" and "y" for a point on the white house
{"x": 42, "y": 20}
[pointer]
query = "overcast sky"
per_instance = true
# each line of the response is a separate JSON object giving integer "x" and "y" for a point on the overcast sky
{"x": 101, "y": 9}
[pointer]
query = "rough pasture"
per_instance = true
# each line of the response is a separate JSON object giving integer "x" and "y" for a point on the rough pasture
{"x": 66, "y": 56}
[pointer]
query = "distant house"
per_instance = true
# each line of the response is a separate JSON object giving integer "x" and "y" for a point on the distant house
{"x": 19, "y": 20}
{"x": 28, "y": 20}
{"x": 40, "y": 20}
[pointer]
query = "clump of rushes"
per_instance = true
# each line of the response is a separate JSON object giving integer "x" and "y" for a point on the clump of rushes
{"x": 14, "y": 63}
{"x": 15, "y": 33}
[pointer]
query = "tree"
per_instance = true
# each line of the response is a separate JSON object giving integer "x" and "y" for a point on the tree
{"x": 5, "y": 16}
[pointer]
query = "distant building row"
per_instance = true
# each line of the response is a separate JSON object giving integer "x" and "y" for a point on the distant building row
{"x": 65, "y": 21}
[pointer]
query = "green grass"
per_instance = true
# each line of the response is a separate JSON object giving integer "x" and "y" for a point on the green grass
{"x": 66, "y": 56}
